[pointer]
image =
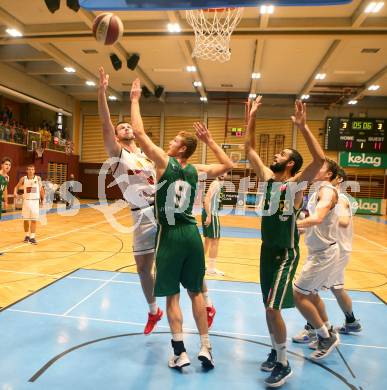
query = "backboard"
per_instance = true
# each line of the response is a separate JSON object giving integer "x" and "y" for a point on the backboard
{"x": 154, "y": 5}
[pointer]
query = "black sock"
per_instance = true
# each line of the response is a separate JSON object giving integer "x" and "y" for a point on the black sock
{"x": 349, "y": 317}
{"x": 178, "y": 347}
{"x": 310, "y": 325}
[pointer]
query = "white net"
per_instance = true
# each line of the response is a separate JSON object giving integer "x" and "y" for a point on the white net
{"x": 213, "y": 29}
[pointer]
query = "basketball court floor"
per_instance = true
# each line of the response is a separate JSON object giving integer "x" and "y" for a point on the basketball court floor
{"x": 73, "y": 312}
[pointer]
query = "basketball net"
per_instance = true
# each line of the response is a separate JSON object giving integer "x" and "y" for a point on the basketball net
{"x": 213, "y": 29}
{"x": 39, "y": 152}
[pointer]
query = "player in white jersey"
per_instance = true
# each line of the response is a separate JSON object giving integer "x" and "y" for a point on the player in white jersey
{"x": 344, "y": 239}
{"x": 318, "y": 270}
{"x": 33, "y": 195}
{"x": 135, "y": 175}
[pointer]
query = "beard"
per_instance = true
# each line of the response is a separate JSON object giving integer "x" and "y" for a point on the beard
{"x": 278, "y": 167}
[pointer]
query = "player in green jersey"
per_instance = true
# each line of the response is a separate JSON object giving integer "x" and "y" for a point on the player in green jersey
{"x": 279, "y": 250}
{"x": 4, "y": 180}
{"x": 179, "y": 249}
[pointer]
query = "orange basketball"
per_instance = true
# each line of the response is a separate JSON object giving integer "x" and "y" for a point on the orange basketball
{"x": 107, "y": 28}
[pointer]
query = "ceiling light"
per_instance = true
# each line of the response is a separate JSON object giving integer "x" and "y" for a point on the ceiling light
{"x": 305, "y": 97}
{"x": 252, "y": 95}
{"x": 373, "y": 87}
{"x": 112, "y": 97}
{"x": 90, "y": 83}
{"x": 353, "y": 102}
{"x": 69, "y": 69}
{"x": 255, "y": 76}
{"x": 191, "y": 68}
{"x": 374, "y": 7}
{"x": 13, "y": 32}
{"x": 267, "y": 9}
{"x": 320, "y": 76}
{"x": 203, "y": 98}
{"x": 174, "y": 27}
{"x": 197, "y": 84}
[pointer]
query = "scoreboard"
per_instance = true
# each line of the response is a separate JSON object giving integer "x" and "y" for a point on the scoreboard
{"x": 355, "y": 134}
{"x": 237, "y": 131}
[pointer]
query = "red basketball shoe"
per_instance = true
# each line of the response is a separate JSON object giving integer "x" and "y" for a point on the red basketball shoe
{"x": 153, "y": 319}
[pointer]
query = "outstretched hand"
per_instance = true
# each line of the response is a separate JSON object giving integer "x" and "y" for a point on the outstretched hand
{"x": 202, "y": 132}
{"x": 299, "y": 117}
{"x": 135, "y": 92}
{"x": 255, "y": 105}
{"x": 103, "y": 79}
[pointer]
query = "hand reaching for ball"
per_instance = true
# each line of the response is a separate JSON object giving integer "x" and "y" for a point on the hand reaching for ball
{"x": 135, "y": 93}
{"x": 103, "y": 79}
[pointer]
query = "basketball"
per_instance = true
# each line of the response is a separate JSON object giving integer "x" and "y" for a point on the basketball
{"x": 107, "y": 28}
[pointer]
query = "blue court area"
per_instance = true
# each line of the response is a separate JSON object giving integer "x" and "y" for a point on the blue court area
{"x": 84, "y": 331}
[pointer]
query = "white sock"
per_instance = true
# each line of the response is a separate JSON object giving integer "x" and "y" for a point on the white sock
{"x": 205, "y": 340}
{"x": 177, "y": 336}
{"x": 207, "y": 299}
{"x": 32, "y": 235}
{"x": 328, "y": 324}
{"x": 211, "y": 262}
{"x": 323, "y": 332}
{"x": 273, "y": 343}
{"x": 281, "y": 353}
{"x": 153, "y": 308}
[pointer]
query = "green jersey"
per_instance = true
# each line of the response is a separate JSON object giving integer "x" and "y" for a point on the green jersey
{"x": 175, "y": 195}
{"x": 279, "y": 220}
{"x": 3, "y": 186}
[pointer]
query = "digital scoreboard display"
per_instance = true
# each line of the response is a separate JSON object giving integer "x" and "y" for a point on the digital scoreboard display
{"x": 355, "y": 134}
{"x": 237, "y": 131}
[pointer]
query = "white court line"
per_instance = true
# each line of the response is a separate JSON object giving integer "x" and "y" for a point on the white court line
{"x": 89, "y": 295}
{"x": 220, "y": 332}
{"x": 138, "y": 283}
{"x": 63, "y": 233}
{"x": 372, "y": 242}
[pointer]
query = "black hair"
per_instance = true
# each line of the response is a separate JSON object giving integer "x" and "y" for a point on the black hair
{"x": 298, "y": 161}
{"x": 342, "y": 174}
{"x": 333, "y": 167}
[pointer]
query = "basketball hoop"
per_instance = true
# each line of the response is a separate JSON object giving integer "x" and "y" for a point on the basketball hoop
{"x": 213, "y": 28}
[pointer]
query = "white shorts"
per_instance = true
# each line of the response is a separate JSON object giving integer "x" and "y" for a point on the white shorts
{"x": 338, "y": 276}
{"x": 318, "y": 271}
{"x": 144, "y": 236}
{"x": 30, "y": 210}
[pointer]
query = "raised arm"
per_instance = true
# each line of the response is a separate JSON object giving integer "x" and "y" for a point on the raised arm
{"x": 212, "y": 170}
{"x": 263, "y": 172}
{"x": 327, "y": 199}
{"x": 299, "y": 119}
{"x": 151, "y": 150}
{"x": 112, "y": 147}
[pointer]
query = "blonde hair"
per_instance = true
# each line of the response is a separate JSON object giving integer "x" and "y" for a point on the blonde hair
{"x": 190, "y": 142}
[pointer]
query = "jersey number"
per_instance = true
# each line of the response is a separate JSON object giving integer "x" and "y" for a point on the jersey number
{"x": 181, "y": 190}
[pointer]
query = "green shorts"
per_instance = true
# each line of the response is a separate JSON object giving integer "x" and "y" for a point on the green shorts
{"x": 213, "y": 229}
{"x": 277, "y": 269}
{"x": 179, "y": 259}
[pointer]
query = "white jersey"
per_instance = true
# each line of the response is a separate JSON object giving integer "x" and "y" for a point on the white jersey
{"x": 320, "y": 237}
{"x": 136, "y": 176}
{"x": 31, "y": 188}
{"x": 345, "y": 234}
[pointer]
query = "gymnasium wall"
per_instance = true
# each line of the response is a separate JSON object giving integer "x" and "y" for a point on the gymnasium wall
{"x": 21, "y": 158}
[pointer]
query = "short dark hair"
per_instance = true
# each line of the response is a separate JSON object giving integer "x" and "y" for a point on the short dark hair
{"x": 5, "y": 159}
{"x": 190, "y": 142}
{"x": 341, "y": 173}
{"x": 298, "y": 161}
{"x": 119, "y": 123}
{"x": 333, "y": 167}
{"x": 30, "y": 166}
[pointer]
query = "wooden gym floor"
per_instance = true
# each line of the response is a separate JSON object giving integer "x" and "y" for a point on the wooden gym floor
{"x": 87, "y": 240}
